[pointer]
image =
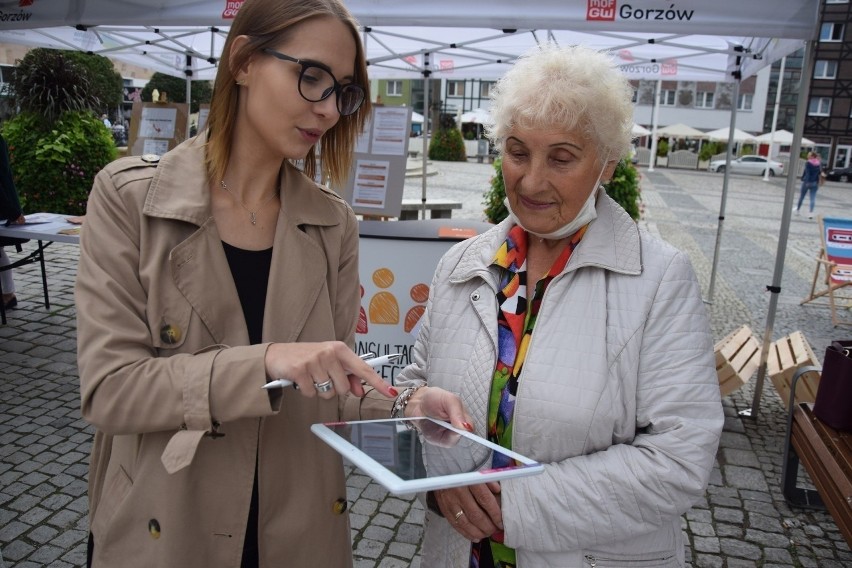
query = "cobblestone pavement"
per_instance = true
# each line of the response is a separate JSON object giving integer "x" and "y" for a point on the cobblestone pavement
{"x": 742, "y": 521}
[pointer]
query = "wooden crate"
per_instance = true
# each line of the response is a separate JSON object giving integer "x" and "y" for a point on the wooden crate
{"x": 737, "y": 358}
{"x": 785, "y": 356}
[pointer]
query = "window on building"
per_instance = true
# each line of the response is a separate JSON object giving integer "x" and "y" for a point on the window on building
{"x": 485, "y": 89}
{"x": 635, "y": 96}
{"x": 704, "y": 99}
{"x": 667, "y": 97}
{"x": 831, "y": 31}
{"x": 819, "y": 106}
{"x": 744, "y": 101}
{"x": 394, "y": 88}
{"x": 825, "y": 69}
{"x": 455, "y": 88}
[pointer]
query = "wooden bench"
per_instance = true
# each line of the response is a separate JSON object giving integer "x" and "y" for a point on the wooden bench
{"x": 438, "y": 209}
{"x": 827, "y": 456}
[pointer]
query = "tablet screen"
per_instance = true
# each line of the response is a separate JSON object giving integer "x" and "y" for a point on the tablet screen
{"x": 416, "y": 454}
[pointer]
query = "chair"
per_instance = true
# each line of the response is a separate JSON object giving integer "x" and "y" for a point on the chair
{"x": 35, "y": 256}
{"x": 835, "y": 259}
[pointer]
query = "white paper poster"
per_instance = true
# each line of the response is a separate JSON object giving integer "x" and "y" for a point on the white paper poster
{"x": 390, "y": 130}
{"x": 371, "y": 183}
{"x": 153, "y": 146}
{"x": 158, "y": 122}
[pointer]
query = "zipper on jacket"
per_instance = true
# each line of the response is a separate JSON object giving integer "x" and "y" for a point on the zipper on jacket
{"x": 593, "y": 560}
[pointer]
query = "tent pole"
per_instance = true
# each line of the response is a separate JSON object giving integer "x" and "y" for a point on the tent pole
{"x": 775, "y": 117}
{"x": 656, "y": 112}
{"x": 425, "y": 130}
{"x": 188, "y": 72}
{"x": 725, "y": 180}
{"x": 786, "y": 214}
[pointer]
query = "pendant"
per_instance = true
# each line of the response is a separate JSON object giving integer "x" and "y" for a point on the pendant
{"x": 253, "y": 217}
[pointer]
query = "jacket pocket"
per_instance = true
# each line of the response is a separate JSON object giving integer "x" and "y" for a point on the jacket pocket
{"x": 662, "y": 559}
{"x": 115, "y": 492}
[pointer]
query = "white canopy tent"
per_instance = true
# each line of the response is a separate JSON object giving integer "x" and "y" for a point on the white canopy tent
{"x": 680, "y": 131}
{"x": 724, "y": 135}
{"x": 784, "y": 138}
{"x": 462, "y": 39}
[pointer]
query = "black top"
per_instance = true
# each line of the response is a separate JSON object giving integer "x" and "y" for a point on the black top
{"x": 10, "y": 207}
{"x": 250, "y": 270}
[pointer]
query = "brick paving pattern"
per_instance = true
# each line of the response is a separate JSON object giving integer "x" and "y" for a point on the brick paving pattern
{"x": 743, "y": 520}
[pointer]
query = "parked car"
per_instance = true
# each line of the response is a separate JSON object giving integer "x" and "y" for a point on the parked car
{"x": 839, "y": 174}
{"x": 754, "y": 165}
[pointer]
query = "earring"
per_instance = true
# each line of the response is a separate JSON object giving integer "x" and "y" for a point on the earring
{"x": 241, "y": 82}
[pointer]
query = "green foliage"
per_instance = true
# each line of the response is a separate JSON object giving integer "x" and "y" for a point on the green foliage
{"x": 48, "y": 82}
{"x": 662, "y": 147}
{"x": 624, "y": 188}
{"x": 104, "y": 81}
{"x": 447, "y": 145}
{"x": 175, "y": 87}
{"x": 495, "y": 209}
{"x": 54, "y": 164}
{"x": 710, "y": 149}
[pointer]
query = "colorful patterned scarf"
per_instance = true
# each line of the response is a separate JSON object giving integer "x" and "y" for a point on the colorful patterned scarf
{"x": 515, "y": 323}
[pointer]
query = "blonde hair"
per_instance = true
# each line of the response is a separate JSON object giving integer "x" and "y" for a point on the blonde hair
{"x": 565, "y": 87}
{"x": 268, "y": 23}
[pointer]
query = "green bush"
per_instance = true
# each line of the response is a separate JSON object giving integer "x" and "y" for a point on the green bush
{"x": 495, "y": 209}
{"x": 623, "y": 188}
{"x": 105, "y": 82}
{"x": 49, "y": 83}
{"x": 447, "y": 145}
{"x": 54, "y": 165}
{"x": 662, "y": 147}
{"x": 710, "y": 149}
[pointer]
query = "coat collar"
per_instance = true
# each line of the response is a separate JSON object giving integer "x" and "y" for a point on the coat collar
{"x": 180, "y": 190}
{"x": 611, "y": 242}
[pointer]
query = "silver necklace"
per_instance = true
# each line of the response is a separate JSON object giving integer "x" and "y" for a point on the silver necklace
{"x": 252, "y": 214}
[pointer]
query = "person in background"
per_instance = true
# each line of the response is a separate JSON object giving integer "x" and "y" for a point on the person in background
{"x": 811, "y": 180}
{"x": 210, "y": 271}
{"x": 10, "y": 210}
{"x": 106, "y": 121}
{"x": 575, "y": 338}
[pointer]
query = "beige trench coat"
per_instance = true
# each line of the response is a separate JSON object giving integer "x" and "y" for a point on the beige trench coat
{"x": 164, "y": 362}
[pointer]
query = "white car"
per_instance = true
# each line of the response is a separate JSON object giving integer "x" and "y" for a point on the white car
{"x": 754, "y": 165}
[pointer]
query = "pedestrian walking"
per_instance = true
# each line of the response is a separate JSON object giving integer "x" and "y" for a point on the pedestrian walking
{"x": 812, "y": 178}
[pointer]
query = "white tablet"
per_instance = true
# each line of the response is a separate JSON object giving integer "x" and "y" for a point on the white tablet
{"x": 408, "y": 455}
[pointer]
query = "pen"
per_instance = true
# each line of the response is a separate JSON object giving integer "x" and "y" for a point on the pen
{"x": 281, "y": 383}
{"x": 377, "y": 362}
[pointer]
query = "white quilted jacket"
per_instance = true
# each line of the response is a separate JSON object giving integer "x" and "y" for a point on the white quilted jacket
{"x": 618, "y": 396}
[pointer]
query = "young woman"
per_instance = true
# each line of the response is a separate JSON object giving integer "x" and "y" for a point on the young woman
{"x": 205, "y": 274}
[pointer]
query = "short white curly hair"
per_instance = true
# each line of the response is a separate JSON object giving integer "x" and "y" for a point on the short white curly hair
{"x": 565, "y": 87}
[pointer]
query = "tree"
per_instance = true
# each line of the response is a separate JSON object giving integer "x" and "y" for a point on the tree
{"x": 201, "y": 91}
{"x": 105, "y": 82}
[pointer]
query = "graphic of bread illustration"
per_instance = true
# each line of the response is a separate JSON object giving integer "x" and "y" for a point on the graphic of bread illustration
{"x": 419, "y": 293}
{"x": 362, "y": 317}
{"x": 384, "y": 308}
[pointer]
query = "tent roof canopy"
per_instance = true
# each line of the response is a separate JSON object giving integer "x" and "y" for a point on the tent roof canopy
{"x": 724, "y": 135}
{"x": 406, "y": 38}
{"x": 680, "y": 131}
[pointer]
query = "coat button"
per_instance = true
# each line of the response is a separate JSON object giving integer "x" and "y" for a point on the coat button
{"x": 340, "y": 506}
{"x": 154, "y": 528}
{"x": 169, "y": 334}
{"x": 474, "y": 296}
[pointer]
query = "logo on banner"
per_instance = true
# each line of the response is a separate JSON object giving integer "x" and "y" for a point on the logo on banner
{"x": 231, "y": 9}
{"x": 446, "y": 65}
{"x": 668, "y": 67}
{"x": 607, "y": 10}
{"x": 625, "y": 55}
{"x": 600, "y": 10}
{"x": 25, "y": 3}
{"x": 412, "y": 59}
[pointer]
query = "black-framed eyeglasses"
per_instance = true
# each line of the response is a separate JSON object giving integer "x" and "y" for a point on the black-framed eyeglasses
{"x": 316, "y": 83}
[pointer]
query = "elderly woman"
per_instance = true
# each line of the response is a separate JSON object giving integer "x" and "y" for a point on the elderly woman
{"x": 574, "y": 338}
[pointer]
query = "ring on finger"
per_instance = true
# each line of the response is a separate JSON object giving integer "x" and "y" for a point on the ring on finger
{"x": 324, "y": 387}
{"x": 458, "y": 515}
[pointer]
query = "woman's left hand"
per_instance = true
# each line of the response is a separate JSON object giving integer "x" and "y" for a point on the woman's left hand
{"x": 474, "y": 510}
{"x": 438, "y": 403}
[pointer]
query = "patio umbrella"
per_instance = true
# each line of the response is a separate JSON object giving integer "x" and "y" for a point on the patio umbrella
{"x": 679, "y": 131}
{"x": 783, "y": 137}
{"x": 724, "y": 135}
{"x": 478, "y": 116}
{"x": 416, "y": 117}
{"x": 639, "y": 131}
